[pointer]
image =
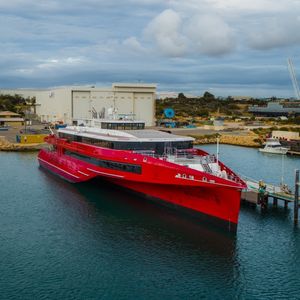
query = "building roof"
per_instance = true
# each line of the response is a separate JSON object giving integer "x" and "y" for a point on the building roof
{"x": 273, "y": 107}
{"x": 8, "y": 113}
{"x": 11, "y": 120}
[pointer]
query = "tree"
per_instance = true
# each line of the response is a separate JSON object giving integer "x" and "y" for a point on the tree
{"x": 229, "y": 98}
{"x": 12, "y": 103}
{"x": 181, "y": 96}
{"x": 208, "y": 96}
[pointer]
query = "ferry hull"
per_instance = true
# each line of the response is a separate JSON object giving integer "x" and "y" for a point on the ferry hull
{"x": 216, "y": 200}
{"x": 53, "y": 168}
{"x": 215, "y": 205}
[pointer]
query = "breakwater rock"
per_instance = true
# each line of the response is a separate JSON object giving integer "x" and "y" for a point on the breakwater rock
{"x": 239, "y": 140}
{"x": 8, "y": 146}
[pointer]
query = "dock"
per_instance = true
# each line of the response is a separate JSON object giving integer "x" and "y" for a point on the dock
{"x": 293, "y": 152}
{"x": 254, "y": 196}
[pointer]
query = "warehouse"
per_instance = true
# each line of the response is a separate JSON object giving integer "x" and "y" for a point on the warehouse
{"x": 71, "y": 104}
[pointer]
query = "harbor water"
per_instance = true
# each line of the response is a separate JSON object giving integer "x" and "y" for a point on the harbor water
{"x": 92, "y": 241}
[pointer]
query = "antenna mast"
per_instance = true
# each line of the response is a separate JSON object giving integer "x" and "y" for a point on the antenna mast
{"x": 294, "y": 78}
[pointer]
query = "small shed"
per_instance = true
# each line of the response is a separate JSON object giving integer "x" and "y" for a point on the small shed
{"x": 9, "y": 118}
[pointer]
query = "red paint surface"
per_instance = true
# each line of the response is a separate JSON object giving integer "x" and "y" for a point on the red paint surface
{"x": 194, "y": 190}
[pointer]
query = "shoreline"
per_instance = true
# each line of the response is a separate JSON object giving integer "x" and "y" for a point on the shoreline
{"x": 6, "y": 146}
{"x": 249, "y": 141}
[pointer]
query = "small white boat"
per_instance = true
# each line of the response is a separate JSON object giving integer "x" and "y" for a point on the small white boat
{"x": 273, "y": 146}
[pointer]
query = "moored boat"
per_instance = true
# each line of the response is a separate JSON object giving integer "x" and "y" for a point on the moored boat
{"x": 273, "y": 146}
{"x": 163, "y": 166}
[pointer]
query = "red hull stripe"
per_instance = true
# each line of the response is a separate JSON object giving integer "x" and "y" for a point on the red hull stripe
{"x": 46, "y": 162}
{"x": 107, "y": 174}
{"x": 83, "y": 173}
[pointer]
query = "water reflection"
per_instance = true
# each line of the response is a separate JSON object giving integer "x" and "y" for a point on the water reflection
{"x": 133, "y": 235}
{"x": 91, "y": 241}
{"x": 99, "y": 199}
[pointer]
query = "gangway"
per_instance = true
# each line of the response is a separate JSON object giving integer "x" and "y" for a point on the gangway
{"x": 255, "y": 194}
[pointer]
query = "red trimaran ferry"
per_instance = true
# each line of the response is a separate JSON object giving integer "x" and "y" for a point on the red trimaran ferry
{"x": 158, "y": 164}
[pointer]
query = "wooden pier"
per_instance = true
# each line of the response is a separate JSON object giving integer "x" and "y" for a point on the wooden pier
{"x": 255, "y": 196}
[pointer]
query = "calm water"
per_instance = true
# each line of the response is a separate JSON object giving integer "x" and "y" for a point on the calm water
{"x": 89, "y": 241}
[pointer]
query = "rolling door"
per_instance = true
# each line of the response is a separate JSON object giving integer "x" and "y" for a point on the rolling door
{"x": 81, "y": 105}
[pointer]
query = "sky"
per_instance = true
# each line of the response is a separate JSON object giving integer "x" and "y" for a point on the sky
{"x": 226, "y": 47}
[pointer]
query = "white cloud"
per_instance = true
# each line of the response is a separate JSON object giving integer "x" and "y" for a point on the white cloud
{"x": 231, "y": 7}
{"x": 59, "y": 62}
{"x": 217, "y": 27}
{"x": 165, "y": 31}
{"x": 177, "y": 36}
{"x": 134, "y": 45}
{"x": 210, "y": 35}
{"x": 62, "y": 42}
{"x": 275, "y": 32}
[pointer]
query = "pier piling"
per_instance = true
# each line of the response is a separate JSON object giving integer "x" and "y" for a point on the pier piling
{"x": 296, "y": 201}
{"x": 275, "y": 202}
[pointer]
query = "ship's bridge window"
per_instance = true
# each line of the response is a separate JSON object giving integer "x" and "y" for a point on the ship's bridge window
{"x": 158, "y": 147}
{"x": 122, "y": 126}
{"x": 70, "y": 137}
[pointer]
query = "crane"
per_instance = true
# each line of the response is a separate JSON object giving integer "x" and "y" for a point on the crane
{"x": 294, "y": 78}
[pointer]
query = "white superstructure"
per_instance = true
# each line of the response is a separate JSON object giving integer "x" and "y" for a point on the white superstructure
{"x": 146, "y": 135}
{"x": 159, "y": 144}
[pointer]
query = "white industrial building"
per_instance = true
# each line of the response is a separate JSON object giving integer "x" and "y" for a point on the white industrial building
{"x": 69, "y": 104}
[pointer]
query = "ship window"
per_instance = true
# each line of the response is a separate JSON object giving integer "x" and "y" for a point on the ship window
{"x": 158, "y": 147}
{"x": 123, "y": 126}
{"x": 107, "y": 164}
{"x": 86, "y": 140}
{"x": 68, "y": 137}
{"x": 78, "y": 138}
